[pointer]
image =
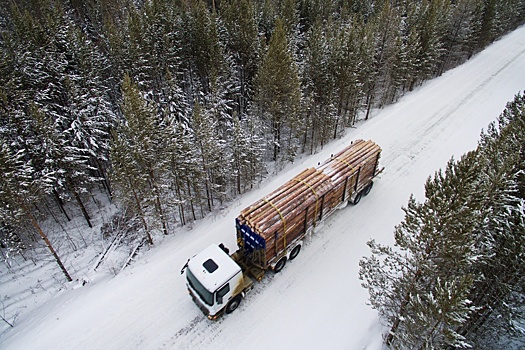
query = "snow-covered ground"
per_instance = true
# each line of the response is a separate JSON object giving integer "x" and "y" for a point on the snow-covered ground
{"x": 317, "y": 301}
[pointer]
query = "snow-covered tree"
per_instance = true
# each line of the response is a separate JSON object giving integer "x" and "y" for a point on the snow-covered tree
{"x": 435, "y": 246}
{"x": 90, "y": 109}
{"x": 130, "y": 182}
{"x": 282, "y": 83}
{"x": 381, "y": 34}
{"x": 455, "y": 277}
{"x": 321, "y": 121}
{"x": 20, "y": 188}
{"x": 459, "y": 33}
{"x": 500, "y": 289}
{"x": 62, "y": 108}
{"x": 204, "y": 59}
{"x": 186, "y": 173}
{"x": 143, "y": 139}
{"x": 211, "y": 149}
{"x": 246, "y": 154}
{"x": 278, "y": 95}
{"x": 242, "y": 40}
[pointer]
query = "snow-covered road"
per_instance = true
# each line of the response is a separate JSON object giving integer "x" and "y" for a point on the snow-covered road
{"x": 317, "y": 301}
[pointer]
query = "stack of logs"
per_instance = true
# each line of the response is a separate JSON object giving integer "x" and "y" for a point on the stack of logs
{"x": 299, "y": 205}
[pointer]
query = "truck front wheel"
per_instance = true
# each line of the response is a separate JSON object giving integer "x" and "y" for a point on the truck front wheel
{"x": 233, "y": 304}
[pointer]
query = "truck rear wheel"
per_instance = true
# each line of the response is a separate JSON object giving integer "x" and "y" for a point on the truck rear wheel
{"x": 368, "y": 188}
{"x": 280, "y": 265}
{"x": 295, "y": 252}
{"x": 357, "y": 198}
{"x": 233, "y": 304}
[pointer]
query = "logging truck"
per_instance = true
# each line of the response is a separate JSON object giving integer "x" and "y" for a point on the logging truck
{"x": 271, "y": 231}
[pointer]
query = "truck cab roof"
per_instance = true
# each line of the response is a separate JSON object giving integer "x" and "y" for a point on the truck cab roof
{"x": 213, "y": 267}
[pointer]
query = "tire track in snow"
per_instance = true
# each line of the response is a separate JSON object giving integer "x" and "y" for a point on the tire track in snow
{"x": 200, "y": 333}
{"x": 440, "y": 119}
{"x": 438, "y": 123}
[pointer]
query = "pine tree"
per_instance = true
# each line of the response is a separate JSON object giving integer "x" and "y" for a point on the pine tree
{"x": 153, "y": 45}
{"x": 211, "y": 150}
{"x": 499, "y": 290}
{"x": 312, "y": 11}
{"x": 202, "y": 47}
{"x": 487, "y": 23}
{"x": 144, "y": 139}
{"x": 20, "y": 188}
{"x": 174, "y": 106}
{"x": 431, "y": 24}
{"x": 130, "y": 182}
{"x": 186, "y": 173}
{"x": 54, "y": 155}
{"x": 321, "y": 119}
{"x": 62, "y": 106}
{"x": 91, "y": 113}
{"x": 455, "y": 277}
{"x": 350, "y": 63}
{"x": 459, "y": 33}
{"x": 142, "y": 64}
{"x": 278, "y": 95}
{"x": 408, "y": 62}
{"x": 243, "y": 42}
{"x": 435, "y": 246}
{"x": 246, "y": 154}
{"x": 383, "y": 30}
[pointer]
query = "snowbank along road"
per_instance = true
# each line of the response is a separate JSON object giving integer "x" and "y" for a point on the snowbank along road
{"x": 317, "y": 300}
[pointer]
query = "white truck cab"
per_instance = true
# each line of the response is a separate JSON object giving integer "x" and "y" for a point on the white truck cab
{"x": 215, "y": 281}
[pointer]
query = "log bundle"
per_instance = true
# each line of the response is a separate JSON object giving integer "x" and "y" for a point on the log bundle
{"x": 296, "y": 207}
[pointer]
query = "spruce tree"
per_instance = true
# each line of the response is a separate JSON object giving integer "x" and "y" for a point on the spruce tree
{"x": 384, "y": 30}
{"x": 62, "y": 106}
{"x": 432, "y": 24}
{"x": 91, "y": 110}
{"x": 350, "y": 64}
{"x": 458, "y": 33}
{"x": 183, "y": 165}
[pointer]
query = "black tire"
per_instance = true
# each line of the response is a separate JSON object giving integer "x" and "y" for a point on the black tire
{"x": 295, "y": 252}
{"x": 280, "y": 265}
{"x": 233, "y": 304}
{"x": 368, "y": 188}
{"x": 357, "y": 199}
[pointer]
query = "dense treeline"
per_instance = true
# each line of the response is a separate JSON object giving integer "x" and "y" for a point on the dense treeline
{"x": 174, "y": 106}
{"x": 456, "y": 278}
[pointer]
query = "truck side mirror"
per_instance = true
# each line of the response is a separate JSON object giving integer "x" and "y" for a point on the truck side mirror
{"x": 219, "y": 300}
{"x": 184, "y": 267}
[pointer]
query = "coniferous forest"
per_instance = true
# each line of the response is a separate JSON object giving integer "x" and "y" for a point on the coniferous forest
{"x": 170, "y": 108}
{"x": 455, "y": 277}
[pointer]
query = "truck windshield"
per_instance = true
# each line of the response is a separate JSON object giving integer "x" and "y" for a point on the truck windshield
{"x": 205, "y": 295}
